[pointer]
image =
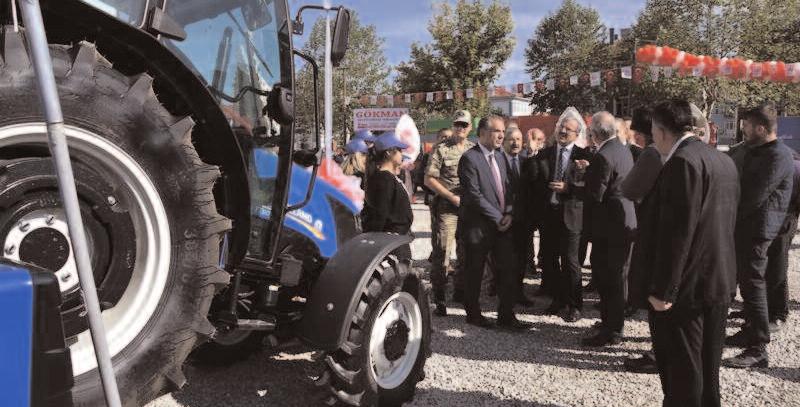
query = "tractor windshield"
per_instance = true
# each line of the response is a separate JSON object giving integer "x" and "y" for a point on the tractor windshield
{"x": 233, "y": 46}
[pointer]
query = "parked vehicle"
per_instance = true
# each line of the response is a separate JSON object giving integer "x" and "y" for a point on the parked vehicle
{"x": 206, "y": 222}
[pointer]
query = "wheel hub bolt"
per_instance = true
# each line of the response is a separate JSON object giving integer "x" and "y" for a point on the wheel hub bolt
{"x": 10, "y": 249}
{"x": 50, "y": 220}
{"x": 25, "y": 227}
{"x": 112, "y": 201}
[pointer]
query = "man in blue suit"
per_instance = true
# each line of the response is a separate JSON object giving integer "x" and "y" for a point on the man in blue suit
{"x": 485, "y": 222}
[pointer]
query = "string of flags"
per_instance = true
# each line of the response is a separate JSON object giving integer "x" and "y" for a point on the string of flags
{"x": 653, "y": 62}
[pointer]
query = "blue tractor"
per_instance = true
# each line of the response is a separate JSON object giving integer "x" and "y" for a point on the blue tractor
{"x": 208, "y": 225}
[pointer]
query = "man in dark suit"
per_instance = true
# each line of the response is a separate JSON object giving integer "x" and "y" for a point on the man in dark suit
{"x": 690, "y": 267}
{"x": 484, "y": 223}
{"x": 556, "y": 202}
{"x": 613, "y": 219}
{"x": 521, "y": 227}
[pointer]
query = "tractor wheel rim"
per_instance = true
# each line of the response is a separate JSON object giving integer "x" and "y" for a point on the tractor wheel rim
{"x": 125, "y": 321}
{"x": 399, "y": 321}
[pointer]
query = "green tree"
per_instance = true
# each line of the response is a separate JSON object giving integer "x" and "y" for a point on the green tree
{"x": 571, "y": 41}
{"x": 364, "y": 71}
{"x": 471, "y": 43}
{"x": 752, "y": 29}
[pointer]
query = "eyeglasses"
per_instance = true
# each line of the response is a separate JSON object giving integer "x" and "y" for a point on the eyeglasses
{"x": 460, "y": 125}
{"x": 567, "y": 132}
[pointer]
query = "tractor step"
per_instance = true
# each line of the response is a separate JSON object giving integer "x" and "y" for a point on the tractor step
{"x": 256, "y": 325}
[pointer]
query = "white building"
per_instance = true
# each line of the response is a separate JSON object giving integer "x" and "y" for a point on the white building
{"x": 512, "y": 105}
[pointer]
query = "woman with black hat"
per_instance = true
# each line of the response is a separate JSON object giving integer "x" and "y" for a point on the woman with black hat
{"x": 387, "y": 207}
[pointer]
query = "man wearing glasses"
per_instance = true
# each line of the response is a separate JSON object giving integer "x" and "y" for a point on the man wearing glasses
{"x": 441, "y": 177}
{"x": 556, "y": 182}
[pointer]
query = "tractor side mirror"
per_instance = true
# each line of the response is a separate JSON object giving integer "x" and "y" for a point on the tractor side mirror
{"x": 280, "y": 105}
{"x": 341, "y": 36}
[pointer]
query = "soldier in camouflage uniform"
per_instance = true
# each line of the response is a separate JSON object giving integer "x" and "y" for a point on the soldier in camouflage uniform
{"x": 441, "y": 176}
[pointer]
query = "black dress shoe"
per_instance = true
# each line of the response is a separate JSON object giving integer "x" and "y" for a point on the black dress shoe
{"x": 554, "y": 308}
{"x": 750, "y": 357}
{"x": 572, "y": 315}
{"x": 513, "y": 325}
{"x": 630, "y": 311}
{"x": 441, "y": 310}
{"x": 740, "y": 339}
{"x": 480, "y": 321}
{"x": 644, "y": 364}
{"x": 602, "y": 338}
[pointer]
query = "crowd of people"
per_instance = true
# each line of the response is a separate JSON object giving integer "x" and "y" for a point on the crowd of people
{"x": 675, "y": 227}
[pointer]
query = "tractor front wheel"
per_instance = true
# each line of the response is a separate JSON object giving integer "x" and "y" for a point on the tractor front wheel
{"x": 388, "y": 341}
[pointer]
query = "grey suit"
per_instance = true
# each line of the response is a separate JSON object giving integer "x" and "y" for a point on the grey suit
{"x": 613, "y": 219}
{"x": 479, "y": 216}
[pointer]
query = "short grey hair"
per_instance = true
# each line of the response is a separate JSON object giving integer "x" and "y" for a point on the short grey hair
{"x": 604, "y": 125}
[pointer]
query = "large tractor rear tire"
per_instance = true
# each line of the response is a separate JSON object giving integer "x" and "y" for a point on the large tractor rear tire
{"x": 388, "y": 342}
{"x": 148, "y": 209}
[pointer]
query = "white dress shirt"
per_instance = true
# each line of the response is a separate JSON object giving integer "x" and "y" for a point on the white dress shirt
{"x": 676, "y": 145}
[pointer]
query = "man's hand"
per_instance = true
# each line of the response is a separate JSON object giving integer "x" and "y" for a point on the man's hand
{"x": 455, "y": 200}
{"x": 659, "y": 305}
{"x": 558, "y": 187}
{"x": 505, "y": 223}
{"x": 581, "y": 165}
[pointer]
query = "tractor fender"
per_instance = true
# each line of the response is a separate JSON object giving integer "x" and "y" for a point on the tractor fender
{"x": 332, "y": 303}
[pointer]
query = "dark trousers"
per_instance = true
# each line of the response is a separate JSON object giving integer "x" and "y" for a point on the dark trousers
{"x": 751, "y": 265}
{"x": 609, "y": 255}
{"x": 477, "y": 251}
{"x": 523, "y": 253}
{"x": 561, "y": 247}
{"x": 688, "y": 347}
{"x": 777, "y": 270}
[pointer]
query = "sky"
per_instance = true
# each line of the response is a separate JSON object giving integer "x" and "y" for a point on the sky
{"x": 403, "y": 22}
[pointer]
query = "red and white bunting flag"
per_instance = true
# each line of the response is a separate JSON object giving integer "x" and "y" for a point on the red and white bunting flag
{"x": 667, "y": 71}
{"x": 521, "y": 88}
{"x": 594, "y": 78}
{"x": 573, "y": 80}
{"x": 626, "y": 72}
{"x": 407, "y": 98}
{"x": 470, "y": 93}
{"x": 373, "y": 100}
{"x": 527, "y": 88}
{"x": 550, "y": 84}
{"x": 429, "y": 97}
{"x": 448, "y": 95}
{"x": 654, "y": 70}
{"x": 388, "y": 100}
{"x": 697, "y": 71}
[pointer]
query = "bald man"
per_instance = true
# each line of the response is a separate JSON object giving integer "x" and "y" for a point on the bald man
{"x": 534, "y": 142}
{"x": 612, "y": 222}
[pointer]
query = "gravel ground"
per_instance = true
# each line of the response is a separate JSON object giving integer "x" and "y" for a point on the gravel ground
{"x": 545, "y": 366}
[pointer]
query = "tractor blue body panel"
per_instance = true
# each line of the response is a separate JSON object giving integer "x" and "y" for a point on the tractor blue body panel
{"x": 16, "y": 296}
{"x": 316, "y": 220}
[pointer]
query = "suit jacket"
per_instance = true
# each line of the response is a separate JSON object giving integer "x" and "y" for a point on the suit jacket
{"x": 539, "y": 172}
{"x": 480, "y": 211}
{"x": 612, "y": 215}
{"x": 687, "y": 246}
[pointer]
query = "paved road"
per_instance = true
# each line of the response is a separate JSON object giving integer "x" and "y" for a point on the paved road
{"x": 545, "y": 366}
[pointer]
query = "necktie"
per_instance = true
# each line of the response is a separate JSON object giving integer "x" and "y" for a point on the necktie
{"x": 498, "y": 183}
{"x": 515, "y": 166}
{"x": 562, "y": 165}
